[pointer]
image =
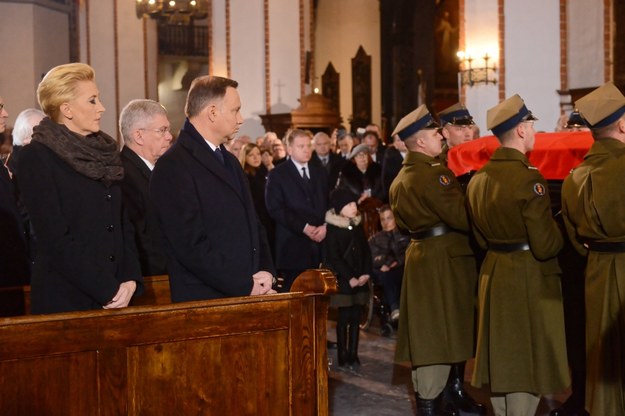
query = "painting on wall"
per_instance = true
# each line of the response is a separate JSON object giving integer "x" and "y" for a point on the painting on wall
{"x": 446, "y": 41}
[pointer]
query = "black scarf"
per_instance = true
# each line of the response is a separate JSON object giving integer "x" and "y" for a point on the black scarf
{"x": 95, "y": 156}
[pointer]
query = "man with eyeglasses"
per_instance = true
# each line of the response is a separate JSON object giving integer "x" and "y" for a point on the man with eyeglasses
{"x": 521, "y": 348}
{"x": 144, "y": 127}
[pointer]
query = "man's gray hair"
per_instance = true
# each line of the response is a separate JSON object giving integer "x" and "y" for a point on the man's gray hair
{"x": 136, "y": 113}
{"x": 24, "y": 123}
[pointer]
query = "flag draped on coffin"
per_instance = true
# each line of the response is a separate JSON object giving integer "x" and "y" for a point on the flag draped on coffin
{"x": 554, "y": 154}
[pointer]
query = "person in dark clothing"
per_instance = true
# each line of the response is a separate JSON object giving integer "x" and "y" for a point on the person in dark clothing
{"x": 349, "y": 257}
{"x": 388, "y": 250}
{"x": 216, "y": 245}
{"x": 14, "y": 265}
{"x": 362, "y": 177}
{"x": 144, "y": 127}
{"x": 256, "y": 172}
{"x": 391, "y": 165}
{"x": 69, "y": 181}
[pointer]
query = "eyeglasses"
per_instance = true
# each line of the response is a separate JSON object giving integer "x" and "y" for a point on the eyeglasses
{"x": 162, "y": 131}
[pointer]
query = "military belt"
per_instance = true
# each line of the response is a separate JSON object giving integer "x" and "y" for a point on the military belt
{"x": 431, "y": 232}
{"x": 509, "y": 247}
{"x": 606, "y": 247}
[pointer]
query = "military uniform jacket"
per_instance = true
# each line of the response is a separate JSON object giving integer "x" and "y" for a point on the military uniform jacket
{"x": 521, "y": 344}
{"x": 593, "y": 207}
{"x": 437, "y": 295}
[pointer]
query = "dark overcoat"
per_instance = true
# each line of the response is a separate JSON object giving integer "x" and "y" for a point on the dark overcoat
{"x": 353, "y": 180}
{"x": 135, "y": 191}
{"x": 213, "y": 237}
{"x": 14, "y": 264}
{"x": 440, "y": 276}
{"x": 521, "y": 344}
{"x": 85, "y": 243}
{"x": 293, "y": 203}
{"x": 348, "y": 256}
{"x": 593, "y": 206}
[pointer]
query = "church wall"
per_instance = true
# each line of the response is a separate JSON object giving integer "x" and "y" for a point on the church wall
{"x": 247, "y": 59}
{"x": 532, "y": 57}
{"x": 481, "y": 26}
{"x": 34, "y": 39}
{"x": 585, "y": 39}
{"x": 341, "y": 27}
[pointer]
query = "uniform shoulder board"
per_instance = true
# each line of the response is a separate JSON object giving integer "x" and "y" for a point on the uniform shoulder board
{"x": 532, "y": 167}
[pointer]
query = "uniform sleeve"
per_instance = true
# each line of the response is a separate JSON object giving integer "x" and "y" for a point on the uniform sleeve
{"x": 544, "y": 235}
{"x": 446, "y": 199}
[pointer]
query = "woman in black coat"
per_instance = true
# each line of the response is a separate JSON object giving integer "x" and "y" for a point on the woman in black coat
{"x": 362, "y": 177}
{"x": 349, "y": 257}
{"x": 256, "y": 173}
{"x": 69, "y": 179}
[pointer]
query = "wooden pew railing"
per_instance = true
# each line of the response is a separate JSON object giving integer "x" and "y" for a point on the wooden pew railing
{"x": 257, "y": 355}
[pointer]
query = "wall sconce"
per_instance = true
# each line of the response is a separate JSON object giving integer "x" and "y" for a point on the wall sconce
{"x": 478, "y": 75}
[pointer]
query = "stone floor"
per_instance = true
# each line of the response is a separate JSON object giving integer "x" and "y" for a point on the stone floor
{"x": 382, "y": 388}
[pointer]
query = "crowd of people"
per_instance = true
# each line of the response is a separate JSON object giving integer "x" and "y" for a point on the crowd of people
{"x": 468, "y": 268}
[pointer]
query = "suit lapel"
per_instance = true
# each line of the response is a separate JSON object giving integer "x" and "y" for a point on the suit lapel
{"x": 134, "y": 158}
{"x": 203, "y": 154}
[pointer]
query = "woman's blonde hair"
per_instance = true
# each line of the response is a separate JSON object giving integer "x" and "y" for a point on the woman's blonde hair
{"x": 59, "y": 86}
{"x": 246, "y": 150}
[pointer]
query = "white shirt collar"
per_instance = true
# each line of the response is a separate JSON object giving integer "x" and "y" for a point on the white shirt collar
{"x": 147, "y": 162}
{"x": 299, "y": 167}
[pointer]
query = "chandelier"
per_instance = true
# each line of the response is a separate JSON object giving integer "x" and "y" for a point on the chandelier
{"x": 173, "y": 11}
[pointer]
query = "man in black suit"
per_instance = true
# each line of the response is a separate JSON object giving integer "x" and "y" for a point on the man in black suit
{"x": 144, "y": 127}
{"x": 332, "y": 162}
{"x": 371, "y": 139}
{"x": 297, "y": 200}
{"x": 216, "y": 245}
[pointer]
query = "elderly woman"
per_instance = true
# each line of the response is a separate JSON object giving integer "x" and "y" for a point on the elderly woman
{"x": 362, "y": 177}
{"x": 69, "y": 179}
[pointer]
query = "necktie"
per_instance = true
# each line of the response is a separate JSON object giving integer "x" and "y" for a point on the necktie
{"x": 219, "y": 155}
{"x": 304, "y": 174}
{"x": 324, "y": 160}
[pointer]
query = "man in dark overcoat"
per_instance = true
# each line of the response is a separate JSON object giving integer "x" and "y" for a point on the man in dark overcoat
{"x": 593, "y": 207}
{"x": 437, "y": 294}
{"x": 297, "y": 200}
{"x": 144, "y": 127}
{"x": 521, "y": 348}
{"x": 216, "y": 245}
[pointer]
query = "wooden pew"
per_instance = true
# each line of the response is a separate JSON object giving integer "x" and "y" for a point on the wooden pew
{"x": 261, "y": 355}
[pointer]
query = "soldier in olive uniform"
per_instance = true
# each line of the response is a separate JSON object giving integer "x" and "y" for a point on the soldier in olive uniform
{"x": 521, "y": 346}
{"x": 457, "y": 127}
{"x": 436, "y": 306}
{"x": 593, "y": 205}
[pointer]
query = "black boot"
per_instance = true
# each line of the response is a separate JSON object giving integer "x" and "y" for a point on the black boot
{"x": 341, "y": 344}
{"x": 352, "y": 347}
{"x": 455, "y": 394}
{"x": 434, "y": 407}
